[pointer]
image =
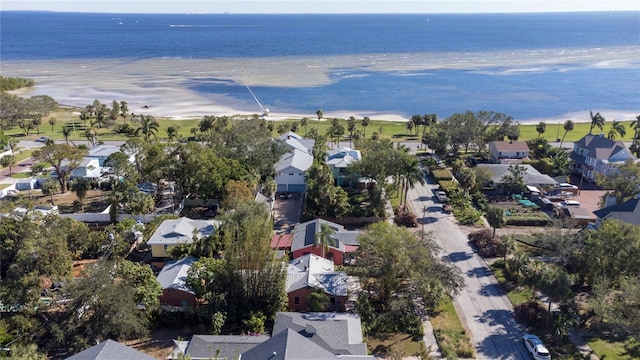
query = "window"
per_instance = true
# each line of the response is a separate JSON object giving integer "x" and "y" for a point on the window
{"x": 296, "y": 300}
{"x": 332, "y": 301}
{"x": 291, "y": 174}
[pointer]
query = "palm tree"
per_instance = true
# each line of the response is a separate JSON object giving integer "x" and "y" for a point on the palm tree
{"x": 81, "y": 186}
{"x": 533, "y": 275}
{"x": 52, "y": 122}
{"x": 411, "y": 173}
{"x": 351, "y": 128}
{"x": 596, "y": 121}
{"x": 100, "y": 110}
{"x": 319, "y": 114}
{"x": 560, "y": 162}
{"x": 90, "y": 134}
{"x": 303, "y": 123}
{"x": 323, "y": 238}
{"x": 124, "y": 110}
{"x": 517, "y": 264}
{"x": 66, "y": 132}
{"x": 568, "y": 126}
{"x": 617, "y": 127}
{"x": 541, "y": 128}
{"x": 365, "y": 123}
{"x": 635, "y": 146}
{"x": 148, "y": 127}
{"x": 172, "y": 133}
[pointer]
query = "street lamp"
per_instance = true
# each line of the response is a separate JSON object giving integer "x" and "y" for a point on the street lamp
{"x": 424, "y": 216}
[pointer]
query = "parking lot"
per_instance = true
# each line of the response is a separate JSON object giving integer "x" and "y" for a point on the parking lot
{"x": 287, "y": 209}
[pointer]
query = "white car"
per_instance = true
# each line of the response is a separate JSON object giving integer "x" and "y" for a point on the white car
{"x": 42, "y": 139}
{"x": 442, "y": 196}
{"x": 536, "y": 347}
{"x": 567, "y": 186}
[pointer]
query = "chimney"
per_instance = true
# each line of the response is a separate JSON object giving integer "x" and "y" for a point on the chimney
{"x": 309, "y": 329}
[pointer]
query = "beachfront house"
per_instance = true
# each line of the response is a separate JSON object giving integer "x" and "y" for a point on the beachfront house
{"x": 597, "y": 154}
{"x": 338, "y": 161}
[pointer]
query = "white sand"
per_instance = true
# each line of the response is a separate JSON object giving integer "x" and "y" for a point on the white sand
{"x": 162, "y": 84}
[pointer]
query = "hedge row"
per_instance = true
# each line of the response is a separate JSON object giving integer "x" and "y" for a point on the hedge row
{"x": 442, "y": 174}
{"x": 528, "y": 219}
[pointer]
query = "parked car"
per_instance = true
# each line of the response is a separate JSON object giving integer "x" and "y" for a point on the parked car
{"x": 535, "y": 346}
{"x": 42, "y": 139}
{"x": 567, "y": 186}
{"x": 442, "y": 196}
{"x": 569, "y": 203}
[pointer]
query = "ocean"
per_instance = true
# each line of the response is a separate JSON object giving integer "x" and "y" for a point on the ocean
{"x": 543, "y": 66}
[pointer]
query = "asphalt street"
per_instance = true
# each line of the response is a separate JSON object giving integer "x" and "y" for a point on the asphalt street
{"x": 481, "y": 304}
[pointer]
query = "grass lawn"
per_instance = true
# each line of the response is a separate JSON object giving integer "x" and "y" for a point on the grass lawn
{"x": 451, "y": 336}
{"x": 20, "y": 175}
{"x": 394, "y": 343}
{"x": 3, "y": 186}
{"x": 517, "y": 294}
{"x": 615, "y": 348}
{"x": 96, "y": 200}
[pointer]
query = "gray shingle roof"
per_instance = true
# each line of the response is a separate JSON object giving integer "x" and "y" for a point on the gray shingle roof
{"x": 110, "y": 350}
{"x": 180, "y": 231}
{"x": 628, "y": 211}
{"x": 222, "y": 346}
{"x": 174, "y": 274}
{"x": 304, "y": 235}
{"x": 339, "y": 333}
{"x": 511, "y": 145}
{"x": 287, "y": 345}
{"x": 600, "y": 147}
{"x": 296, "y": 159}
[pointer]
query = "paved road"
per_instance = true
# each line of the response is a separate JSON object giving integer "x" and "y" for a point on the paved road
{"x": 481, "y": 305}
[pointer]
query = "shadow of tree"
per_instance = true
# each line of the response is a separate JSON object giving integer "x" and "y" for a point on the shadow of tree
{"x": 479, "y": 272}
{"x": 491, "y": 290}
{"x": 459, "y": 256}
{"x": 508, "y": 343}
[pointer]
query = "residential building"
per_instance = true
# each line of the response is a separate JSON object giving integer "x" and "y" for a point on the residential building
{"x": 627, "y": 212}
{"x": 508, "y": 150}
{"x": 179, "y": 231}
{"x": 339, "y": 160}
{"x": 102, "y": 152}
{"x": 172, "y": 279}
{"x": 597, "y": 154}
{"x": 202, "y": 347}
{"x": 310, "y": 272}
{"x": 88, "y": 169}
{"x": 338, "y": 333}
{"x": 531, "y": 176}
{"x": 110, "y": 350}
{"x": 292, "y": 166}
{"x": 340, "y": 249}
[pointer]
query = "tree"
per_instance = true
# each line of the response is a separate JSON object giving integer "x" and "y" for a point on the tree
{"x": 318, "y": 300}
{"x": 495, "y": 218}
{"x": 100, "y": 111}
{"x": 623, "y": 181}
{"x": 514, "y": 179}
{"x": 141, "y": 204}
{"x": 365, "y": 123}
{"x": 320, "y": 114}
{"x": 172, "y": 133}
{"x": 617, "y": 127}
{"x": 236, "y": 192}
{"x": 517, "y": 265}
{"x": 410, "y": 173}
{"x": 66, "y": 132}
{"x": 114, "y": 112}
{"x": 541, "y": 128}
{"x": 560, "y": 161}
{"x": 50, "y": 187}
{"x": 596, "y": 121}
{"x": 148, "y": 127}
{"x": 304, "y": 122}
{"x": 63, "y": 158}
{"x": 505, "y": 246}
{"x": 555, "y": 283}
{"x": 533, "y": 275}
{"x": 124, "y": 110}
{"x": 395, "y": 260}
{"x": 323, "y": 238}
{"x": 568, "y": 126}
{"x": 351, "y": 128}
{"x": 467, "y": 179}
{"x": 52, "y": 122}
{"x": 9, "y": 161}
{"x": 617, "y": 304}
{"x": 612, "y": 252}
{"x": 635, "y": 146}
{"x": 81, "y": 186}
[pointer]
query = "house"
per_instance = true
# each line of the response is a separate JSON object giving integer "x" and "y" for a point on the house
{"x": 343, "y": 242}
{"x": 172, "y": 279}
{"x": 531, "y": 176}
{"x": 502, "y": 150}
{"x": 310, "y": 272}
{"x": 580, "y": 217}
{"x": 338, "y": 333}
{"x": 88, "y": 168}
{"x": 180, "y": 231}
{"x": 597, "y": 154}
{"x": 110, "y": 350}
{"x": 338, "y": 161}
{"x": 26, "y": 184}
{"x": 208, "y": 347}
{"x": 292, "y": 166}
{"x": 627, "y": 212}
{"x": 102, "y": 152}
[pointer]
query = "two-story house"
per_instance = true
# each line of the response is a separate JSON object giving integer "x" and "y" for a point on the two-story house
{"x": 339, "y": 160}
{"x": 340, "y": 247}
{"x": 310, "y": 272}
{"x": 292, "y": 166}
{"x": 179, "y": 231}
{"x": 596, "y": 154}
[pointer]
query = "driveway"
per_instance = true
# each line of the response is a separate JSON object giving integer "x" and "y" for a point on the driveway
{"x": 481, "y": 304}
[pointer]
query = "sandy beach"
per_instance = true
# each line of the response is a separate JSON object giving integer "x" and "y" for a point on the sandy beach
{"x": 165, "y": 87}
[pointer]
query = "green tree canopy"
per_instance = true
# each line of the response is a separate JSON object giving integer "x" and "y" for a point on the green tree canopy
{"x": 623, "y": 181}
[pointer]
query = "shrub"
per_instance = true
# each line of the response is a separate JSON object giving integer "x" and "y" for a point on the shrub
{"x": 406, "y": 218}
{"x": 467, "y": 215}
{"x": 529, "y": 219}
{"x": 448, "y": 185}
{"x": 484, "y": 243}
{"x": 532, "y": 313}
{"x": 125, "y": 128}
{"x": 441, "y": 174}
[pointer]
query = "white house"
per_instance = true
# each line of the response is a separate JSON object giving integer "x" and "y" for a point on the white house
{"x": 179, "y": 231}
{"x": 88, "y": 168}
{"x": 339, "y": 160}
{"x": 102, "y": 152}
{"x": 292, "y": 166}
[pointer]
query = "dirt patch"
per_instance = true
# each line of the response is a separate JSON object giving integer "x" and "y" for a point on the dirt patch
{"x": 160, "y": 343}
{"x": 96, "y": 201}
